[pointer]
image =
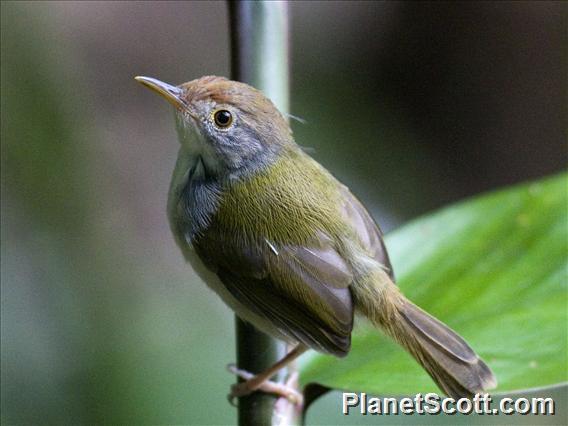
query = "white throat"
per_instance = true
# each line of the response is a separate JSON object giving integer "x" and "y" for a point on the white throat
{"x": 195, "y": 150}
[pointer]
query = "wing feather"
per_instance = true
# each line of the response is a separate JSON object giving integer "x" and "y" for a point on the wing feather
{"x": 303, "y": 290}
{"x": 366, "y": 229}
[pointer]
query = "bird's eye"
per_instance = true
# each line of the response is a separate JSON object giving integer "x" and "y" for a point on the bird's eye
{"x": 223, "y": 118}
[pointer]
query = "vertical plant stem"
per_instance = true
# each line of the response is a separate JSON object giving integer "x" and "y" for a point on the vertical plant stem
{"x": 259, "y": 57}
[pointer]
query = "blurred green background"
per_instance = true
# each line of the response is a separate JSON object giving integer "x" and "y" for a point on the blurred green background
{"x": 413, "y": 105}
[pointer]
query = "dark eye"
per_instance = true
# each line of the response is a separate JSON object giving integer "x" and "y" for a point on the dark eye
{"x": 223, "y": 118}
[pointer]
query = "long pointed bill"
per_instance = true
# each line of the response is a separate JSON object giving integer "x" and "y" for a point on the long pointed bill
{"x": 171, "y": 93}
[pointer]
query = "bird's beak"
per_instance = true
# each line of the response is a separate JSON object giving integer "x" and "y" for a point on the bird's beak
{"x": 172, "y": 94}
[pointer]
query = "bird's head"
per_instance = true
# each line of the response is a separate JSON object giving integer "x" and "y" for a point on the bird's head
{"x": 230, "y": 125}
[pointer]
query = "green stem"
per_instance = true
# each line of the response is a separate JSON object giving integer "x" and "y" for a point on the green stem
{"x": 259, "y": 57}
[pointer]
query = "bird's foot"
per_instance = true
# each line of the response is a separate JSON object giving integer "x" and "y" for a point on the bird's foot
{"x": 251, "y": 384}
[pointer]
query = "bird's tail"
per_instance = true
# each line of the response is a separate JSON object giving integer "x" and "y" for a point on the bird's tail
{"x": 449, "y": 360}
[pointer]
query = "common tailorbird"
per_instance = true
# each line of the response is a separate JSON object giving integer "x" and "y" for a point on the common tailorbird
{"x": 285, "y": 244}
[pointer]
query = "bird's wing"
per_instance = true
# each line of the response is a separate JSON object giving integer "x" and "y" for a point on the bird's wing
{"x": 302, "y": 290}
{"x": 366, "y": 229}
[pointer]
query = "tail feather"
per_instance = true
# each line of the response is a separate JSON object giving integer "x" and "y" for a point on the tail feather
{"x": 449, "y": 360}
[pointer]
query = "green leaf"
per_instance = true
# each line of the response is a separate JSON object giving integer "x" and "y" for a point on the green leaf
{"x": 493, "y": 268}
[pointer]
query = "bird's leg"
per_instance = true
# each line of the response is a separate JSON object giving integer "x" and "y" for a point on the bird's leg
{"x": 261, "y": 380}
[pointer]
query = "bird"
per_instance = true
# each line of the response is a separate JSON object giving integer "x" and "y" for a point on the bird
{"x": 285, "y": 244}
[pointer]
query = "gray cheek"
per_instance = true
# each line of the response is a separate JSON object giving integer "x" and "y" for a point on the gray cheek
{"x": 244, "y": 141}
{"x": 237, "y": 146}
